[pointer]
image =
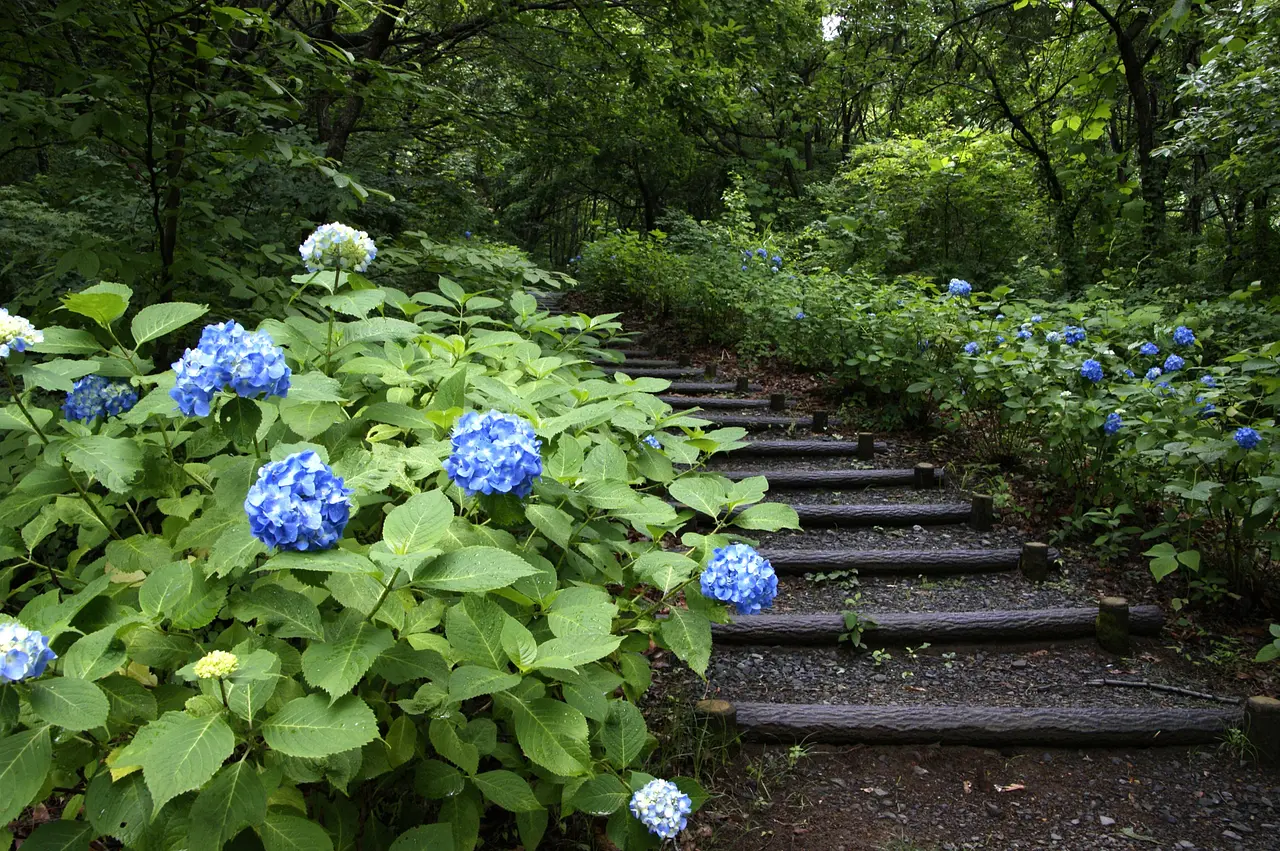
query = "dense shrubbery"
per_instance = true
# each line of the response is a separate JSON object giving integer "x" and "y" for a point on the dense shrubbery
{"x": 302, "y": 608}
{"x": 1116, "y": 427}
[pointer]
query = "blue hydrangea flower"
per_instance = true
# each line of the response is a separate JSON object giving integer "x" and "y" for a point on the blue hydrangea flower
{"x": 1092, "y": 370}
{"x": 1073, "y": 334}
{"x": 1149, "y": 349}
{"x": 494, "y": 453}
{"x": 17, "y": 333}
{"x": 337, "y": 246}
{"x": 1247, "y": 438}
{"x": 1208, "y": 381}
{"x": 466, "y": 234}
{"x": 24, "y": 653}
{"x": 652, "y": 440}
{"x": 776, "y": 260}
{"x": 1153, "y": 373}
{"x": 972, "y": 348}
{"x": 738, "y": 574}
{"x": 229, "y": 358}
{"x": 1184, "y": 336}
{"x": 744, "y": 268}
{"x": 1037, "y": 318}
{"x": 1113, "y": 423}
{"x": 1166, "y": 389}
{"x": 1128, "y": 373}
{"x": 760, "y": 252}
{"x": 999, "y": 338}
{"x": 97, "y": 396}
{"x": 924, "y": 344}
{"x": 662, "y": 808}
{"x": 1024, "y": 334}
{"x": 1173, "y": 363}
{"x": 959, "y": 288}
{"x": 999, "y": 316}
{"x": 1053, "y": 338}
{"x": 297, "y": 503}
{"x": 800, "y": 314}
{"x": 1208, "y": 409}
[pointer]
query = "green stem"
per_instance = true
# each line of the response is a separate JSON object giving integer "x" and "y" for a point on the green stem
{"x": 13, "y": 389}
{"x": 199, "y": 480}
{"x": 328, "y": 343}
{"x": 89, "y": 502}
{"x": 222, "y": 688}
{"x": 386, "y": 592}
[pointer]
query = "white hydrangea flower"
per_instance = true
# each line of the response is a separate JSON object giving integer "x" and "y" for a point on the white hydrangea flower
{"x": 337, "y": 246}
{"x": 17, "y": 334}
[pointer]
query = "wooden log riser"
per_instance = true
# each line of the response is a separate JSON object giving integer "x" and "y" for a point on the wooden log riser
{"x": 802, "y": 448}
{"x": 982, "y": 726}
{"x": 763, "y": 422}
{"x": 895, "y": 628}
{"x": 712, "y": 387}
{"x": 801, "y": 479}
{"x": 713, "y": 403}
{"x": 893, "y": 562}
{"x": 652, "y": 373}
{"x": 831, "y": 516}
{"x": 638, "y": 363}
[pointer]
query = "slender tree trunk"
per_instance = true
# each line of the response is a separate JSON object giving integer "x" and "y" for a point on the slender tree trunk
{"x": 379, "y": 33}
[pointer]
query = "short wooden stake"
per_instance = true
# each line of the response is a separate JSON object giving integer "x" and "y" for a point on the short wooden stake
{"x": 866, "y": 446}
{"x": 1262, "y": 720}
{"x": 984, "y": 513}
{"x": 923, "y": 475}
{"x": 1034, "y": 561}
{"x": 1112, "y": 625}
{"x": 685, "y": 360}
{"x": 710, "y": 371}
{"x": 718, "y": 720}
{"x": 743, "y": 385}
{"x": 777, "y": 402}
{"x": 661, "y": 348}
{"x": 820, "y": 421}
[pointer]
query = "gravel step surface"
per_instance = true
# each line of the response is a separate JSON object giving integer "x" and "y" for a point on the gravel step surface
{"x": 953, "y": 537}
{"x": 962, "y": 593}
{"x": 876, "y": 495}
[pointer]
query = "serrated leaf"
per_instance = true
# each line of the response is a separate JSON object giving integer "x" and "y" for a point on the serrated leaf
{"x": 60, "y": 835}
{"x": 553, "y": 735}
{"x": 157, "y": 320}
{"x": 281, "y": 832}
{"x": 624, "y": 734}
{"x": 688, "y": 635}
{"x": 290, "y": 614}
{"x": 601, "y": 795}
{"x": 474, "y": 569}
{"x": 113, "y": 461}
{"x": 24, "y": 763}
{"x": 309, "y": 419}
{"x": 425, "y": 837}
{"x": 234, "y": 800}
{"x": 103, "y": 303}
{"x": 705, "y": 495}
{"x": 235, "y": 548}
{"x": 474, "y": 629}
{"x": 253, "y": 684}
{"x": 508, "y": 790}
{"x": 320, "y": 561}
{"x": 555, "y": 524}
{"x": 470, "y": 681}
{"x": 664, "y": 570}
{"x": 95, "y": 655}
{"x": 183, "y": 752}
{"x": 336, "y": 665}
{"x": 70, "y": 703}
{"x": 418, "y": 524}
{"x": 575, "y": 650}
{"x": 310, "y": 727}
{"x": 445, "y": 739}
{"x": 768, "y": 517}
{"x": 120, "y": 809}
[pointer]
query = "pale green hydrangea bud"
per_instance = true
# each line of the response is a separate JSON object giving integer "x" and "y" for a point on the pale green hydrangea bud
{"x": 217, "y": 665}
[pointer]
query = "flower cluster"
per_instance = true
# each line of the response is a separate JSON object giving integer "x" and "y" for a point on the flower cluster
{"x": 1023, "y": 334}
{"x": 1092, "y": 370}
{"x": 97, "y": 396}
{"x": 1053, "y": 338}
{"x": 337, "y": 246}
{"x": 16, "y": 333}
{"x": 1173, "y": 363}
{"x": 297, "y": 503}
{"x": 652, "y": 441}
{"x": 1208, "y": 381}
{"x": 494, "y": 453}
{"x": 1247, "y": 438}
{"x": 958, "y": 287}
{"x": 662, "y": 807}
{"x": 1113, "y": 423}
{"x": 1074, "y": 335}
{"x": 1207, "y": 409}
{"x": 738, "y": 574}
{"x": 1153, "y": 373}
{"x": 229, "y": 358}
{"x": 1149, "y": 349}
{"x": 774, "y": 263}
{"x": 24, "y": 653}
{"x": 972, "y": 348}
{"x": 217, "y": 665}
{"x": 799, "y": 314}
{"x": 1184, "y": 336}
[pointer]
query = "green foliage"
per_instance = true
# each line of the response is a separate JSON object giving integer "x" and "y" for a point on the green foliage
{"x": 451, "y": 657}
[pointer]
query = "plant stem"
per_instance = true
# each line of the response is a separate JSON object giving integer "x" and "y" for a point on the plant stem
{"x": 386, "y": 591}
{"x": 13, "y": 389}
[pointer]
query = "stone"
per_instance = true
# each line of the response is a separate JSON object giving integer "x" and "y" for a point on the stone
{"x": 1106, "y": 821}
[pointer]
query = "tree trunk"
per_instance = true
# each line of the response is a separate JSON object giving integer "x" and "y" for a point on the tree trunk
{"x": 379, "y": 33}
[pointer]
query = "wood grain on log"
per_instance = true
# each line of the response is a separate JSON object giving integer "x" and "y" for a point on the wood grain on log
{"x": 637, "y": 363}
{"x": 894, "y": 628}
{"x": 713, "y": 402}
{"x": 870, "y": 562}
{"x": 983, "y": 726}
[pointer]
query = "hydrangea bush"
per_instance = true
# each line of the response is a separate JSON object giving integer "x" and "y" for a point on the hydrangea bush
{"x": 384, "y": 569}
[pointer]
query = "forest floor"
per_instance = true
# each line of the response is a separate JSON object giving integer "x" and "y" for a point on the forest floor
{"x": 932, "y": 798}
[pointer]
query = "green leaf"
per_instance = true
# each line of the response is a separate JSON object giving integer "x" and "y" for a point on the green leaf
{"x": 703, "y": 494}
{"x": 290, "y": 614}
{"x": 103, "y": 303}
{"x": 25, "y": 759}
{"x": 425, "y": 837}
{"x": 253, "y": 684}
{"x": 470, "y": 681}
{"x": 508, "y": 790}
{"x": 315, "y": 387}
{"x": 688, "y": 635}
{"x": 234, "y": 800}
{"x": 357, "y": 303}
{"x": 114, "y": 461}
{"x": 336, "y": 665}
{"x": 419, "y": 523}
{"x": 309, "y": 419}
{"x": 575, "y": 650}
{"x": 70, "y": 703}
{"x": 95, "y": 655}
{"x": 474, "y": 569}
{"x": 239, "y": 419}
{"x": 182, "y": 753}
{"x": 67, "y": 341}
{"x": 310, "y": 727}
{"x": 557, "y": 525}
{"x": 624, "y": 734}
{"x": 280, "y": 832}
{"x": 139, "y": 553}
{"x": 235, "y": 548}
{"x": 664, "y": 570}
{"x": 518, "y": 643}
{"x": 474, "y": 629}
{"x": 767, "y": 516}
{"x": 553, "y": 735}
{"x": 157, "y": 320}
{"x": 601, "y": 795}
{"x": 60, "y": 835}
{"x": 165, "y": 588}
{"x": 444, "y": 738}
{"x": 321, "y": 561}
{"x": 119, "y": 809}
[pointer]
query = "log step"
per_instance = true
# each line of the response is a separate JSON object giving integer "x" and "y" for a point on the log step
{"x": 712, "y": 387}
{"x": 682, "y": 402}
{"x": 679, "y": 372}
{"x": 803, "y": 447}
{"x": 799, "y": 479}
{"x": 929, "y": 514}
{"x": 905, "y": 562}
{"x": 748, "y": 421}
{"x": 981, "y": 726}
{"x": 897, "y": 628}
{"x": 638, "y": 363}
{"x": 633, "y": 353}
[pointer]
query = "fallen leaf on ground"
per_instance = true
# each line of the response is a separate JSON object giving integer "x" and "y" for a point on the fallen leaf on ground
{"x": 1012, "y": 787}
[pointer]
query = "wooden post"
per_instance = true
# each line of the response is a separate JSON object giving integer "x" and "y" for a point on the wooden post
{"x": 1112, "y": 625}
{"x": 777, "y": 402}
{"x": 983, "y": 516}
{"x": 866, "y": 446}
{"x": 1034, "y": 561}
{"x": 743, "y": 385}
{"x": 1262, "y": 724}
{"x": 923, "y": 475}
{"x": 821, "y": 421}
{"x": 710, "y": 371}
{"x": 718, "y": 720}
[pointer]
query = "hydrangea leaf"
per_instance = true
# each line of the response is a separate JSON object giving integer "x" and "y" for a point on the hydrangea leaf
{"x": 24, "y": 762}
{"x": 156, "y": 320}
{"x": 768, "y": 517}
{"x": 553, "y": 735}
{"x": 281, "y": 832}
{"x": 321, "y": 561}
{"x": 113, "y": 461}
{"x": 60, "y": 835}
{"x": 233, "y": 800}
{"x": 310, "y": 727}
{"x": 664, "y": 570}
{"x": 419, "y": 523}
{"x": 103, "y": 303}
{"x": 688, "y": 635}
{"x": 474, "y": 569}
{"x": 182, "y": 753}
{"x": 474, "y": 630}
{"x": 575, "y": 650}
{"x": 601, "y": 796}
{"x": 253, "y": 684}
{"x": 119, "y": 809}
{"x": 470, "y": 681}
{"x": 704, "y": 494}
{"x": 508, "y": 790}
{"x": 624, "y": 734}
{"x": 426, "y": 837}
{"x": 337, "y": 664}
{"x": 309, "y": 419}
{"x": 290, "y": 614}
{"x": 557, "y": 525}
{"x": 445, "y": 739}
{"x": 95, "y": 655}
